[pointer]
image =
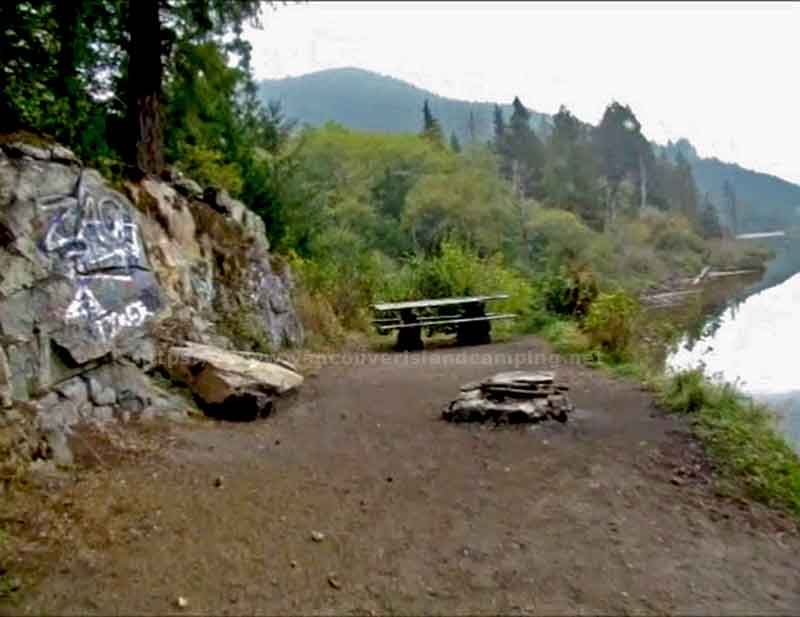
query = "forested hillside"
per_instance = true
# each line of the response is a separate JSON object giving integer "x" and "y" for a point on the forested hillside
{"x": 764, "y": 202}
{"x": 364, "y": 100}
{"x": 368, "y": 101}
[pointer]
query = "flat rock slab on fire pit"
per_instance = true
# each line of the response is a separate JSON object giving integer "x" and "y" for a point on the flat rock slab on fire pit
{"x": 230, "y": 385}
{"x": 513, "y": 397}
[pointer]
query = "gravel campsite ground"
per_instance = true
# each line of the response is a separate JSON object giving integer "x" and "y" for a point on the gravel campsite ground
{"x": 354, "y": 497}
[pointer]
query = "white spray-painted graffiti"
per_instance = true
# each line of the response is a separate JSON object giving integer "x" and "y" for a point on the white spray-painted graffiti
{"x": 91, "y": 235}
{"x": 106, "y": 324}
{"x": 135, "y": 314}
{"x": 94, "y": 238}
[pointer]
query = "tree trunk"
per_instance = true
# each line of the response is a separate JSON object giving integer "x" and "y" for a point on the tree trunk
{"x": 642, "y": 183}
{"x": 611, "y": 206}
{"x": 145, "y": 70}
{"x": 68, "y": 16}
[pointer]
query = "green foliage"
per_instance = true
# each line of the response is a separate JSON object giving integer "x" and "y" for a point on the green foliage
{"x": 520, "y": 150}
{"x": 710, "y": 226}
{"x": 737, "y": 255}
{"x": 610, "y": 322}
{"x": 466, "y": 201}
{"x": 570, "y": 174}
{"x": 431, "y": 129}
{"x": 208, "y": 167}
{"x": 566, "y": 336}
{"x": 674, "y": 238}
{"x": 457, "y": 270}
{"x": 72, "y": 69}
{"x": 244, "y": 327}
{"x": 455, "y": 144}
{"x": 741, "y": 437}
{"x": 345, "y": 274}
{"x": 570, "y": 291}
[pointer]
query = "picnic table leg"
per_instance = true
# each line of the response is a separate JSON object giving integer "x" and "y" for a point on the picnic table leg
{"x": 409, "y": 339}
{"x": 474, "y": 332}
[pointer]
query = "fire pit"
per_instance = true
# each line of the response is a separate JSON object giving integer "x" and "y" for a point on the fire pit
{"x": 511, "y": 398}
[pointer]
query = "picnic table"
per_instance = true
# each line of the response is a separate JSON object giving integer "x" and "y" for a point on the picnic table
{"x": 466, "y": 316}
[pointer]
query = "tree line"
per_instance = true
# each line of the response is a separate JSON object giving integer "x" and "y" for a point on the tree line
{"x": 596, "y": 172}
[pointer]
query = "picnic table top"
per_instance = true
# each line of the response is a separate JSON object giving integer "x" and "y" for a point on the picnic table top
{"x": 412, "y": 304}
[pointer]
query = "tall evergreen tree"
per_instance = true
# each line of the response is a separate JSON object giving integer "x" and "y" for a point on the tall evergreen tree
{"x": 499, "y": 124}
{"x": 709, "y": 219}
{"x": 569, "y": 178}
{"x": 152, "y": 31}
{"x": 145, "y": 74}
{"x": 731, "y": 205}
{"x": 431, "y": 129}
{"x": 472, "y": 128}
{"x": 623, "y": 153}
{"x": 455, "y": 145}
{"x": 686, "y": 189}
{"x": 523, "y": 150}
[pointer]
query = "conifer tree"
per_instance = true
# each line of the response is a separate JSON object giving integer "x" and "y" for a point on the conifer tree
{"x": 523, "y": 150}
{"x": 729, "y": 197}
{"x": 472, "y": 128}
{"x": 455, "y": 145}
{"x": 431, "y": 129}
{"x": 709, "y": 220}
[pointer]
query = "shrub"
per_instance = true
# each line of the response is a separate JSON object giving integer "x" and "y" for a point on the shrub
{"x": 245, "y": 328}
{"x": 556, "y": 237}
{"x": 675, "y": 234}
{"x": 458, "y": 270}
{"x": 344, "y": 273}
{"x": 570, "y": 291}
{"x": 320, "y": 322}
{"x": 733, "y": 255}
{"x": 610, "y": 322}
{"x": 209, "y": 168}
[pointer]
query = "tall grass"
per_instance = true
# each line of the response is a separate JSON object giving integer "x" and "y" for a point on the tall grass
{"x": 740, "y": 436}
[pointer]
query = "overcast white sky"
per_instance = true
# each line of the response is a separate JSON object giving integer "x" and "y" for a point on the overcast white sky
{"x": 724, "y": 75}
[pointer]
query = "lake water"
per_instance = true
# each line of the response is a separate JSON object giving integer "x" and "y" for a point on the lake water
{"x": 755, "y": 343}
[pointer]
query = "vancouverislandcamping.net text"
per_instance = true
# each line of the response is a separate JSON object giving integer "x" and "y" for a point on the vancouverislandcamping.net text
{"x": 438, "y": 359}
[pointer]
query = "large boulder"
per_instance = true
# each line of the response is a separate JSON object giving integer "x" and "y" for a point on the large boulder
{"x": 97, "y": 284}
{"x": 229, "y": 384}
{"x": 75, "y": 281}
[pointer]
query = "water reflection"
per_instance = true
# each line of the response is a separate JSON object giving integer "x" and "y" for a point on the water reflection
{"x": 754, "y": 342}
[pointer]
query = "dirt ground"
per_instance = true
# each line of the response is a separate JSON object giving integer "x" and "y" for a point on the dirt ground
{"x": 610, "y": 513}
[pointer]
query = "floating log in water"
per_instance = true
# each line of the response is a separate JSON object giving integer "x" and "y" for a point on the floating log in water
{"x": 721, "y": 273}
{"x": 702, "y": 275}
{"x": 670, "y": 298}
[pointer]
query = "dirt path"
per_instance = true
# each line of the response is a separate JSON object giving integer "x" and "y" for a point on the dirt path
{"x": 419, "y": 516}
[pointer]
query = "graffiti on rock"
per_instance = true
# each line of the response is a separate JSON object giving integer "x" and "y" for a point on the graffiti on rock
{"x": 95, "y": 240}
{"x": 133, "y": 315}
{"x": 91, "y": 235}
{"x": 84, "y": 306}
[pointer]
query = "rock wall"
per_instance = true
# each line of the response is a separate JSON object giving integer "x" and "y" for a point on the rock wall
{"x": 95, "y": 282}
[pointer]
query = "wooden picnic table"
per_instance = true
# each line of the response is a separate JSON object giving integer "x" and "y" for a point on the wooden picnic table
{"x": 466, "y": 316}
